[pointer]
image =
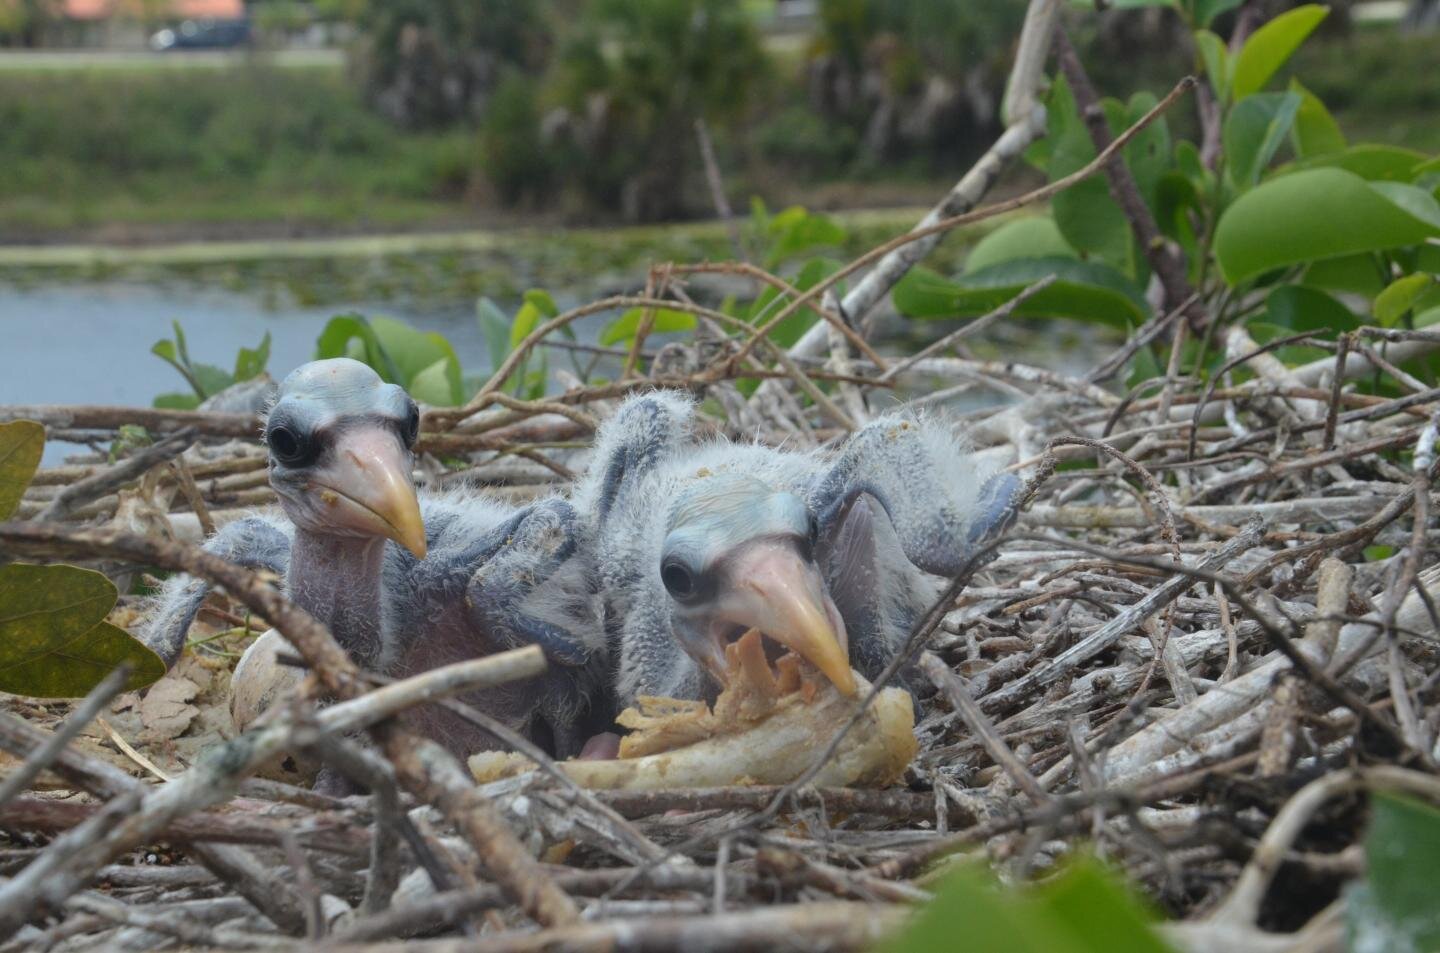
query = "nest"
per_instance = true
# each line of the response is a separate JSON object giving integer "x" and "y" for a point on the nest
{"x": 1209, "y": 633}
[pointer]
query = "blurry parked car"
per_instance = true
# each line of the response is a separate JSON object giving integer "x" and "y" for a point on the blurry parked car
{"x": 202, "y": 35}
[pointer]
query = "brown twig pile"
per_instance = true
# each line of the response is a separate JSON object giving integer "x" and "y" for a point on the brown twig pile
{"x": 1190, "y": 655}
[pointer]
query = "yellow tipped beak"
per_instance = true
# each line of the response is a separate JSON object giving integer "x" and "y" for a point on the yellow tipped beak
{"x": 367, "y": 489}
{"x": 782, "y": 595}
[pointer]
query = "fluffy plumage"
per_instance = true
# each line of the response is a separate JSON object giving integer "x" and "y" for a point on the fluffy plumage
{"x": 494, "y": 577}
{"x": 897, "y": 506}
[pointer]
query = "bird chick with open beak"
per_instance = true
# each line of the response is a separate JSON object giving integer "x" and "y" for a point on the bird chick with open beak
{"x": 409, "y": 581}
{"x": 833, "y": 554}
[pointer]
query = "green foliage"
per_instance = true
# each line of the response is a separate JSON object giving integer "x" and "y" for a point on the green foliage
{"x": 1292, "y": 219}
{"x": 206, "y": 144}
{"x": 429, "y": 63}
{"x": 1269, "y": 47}
{"x": 1086, "y": 909}
{"x": 1289, "y": 228}
{"x": 206, "y": 380}
{"x": 424, "y": 363}
{"x": 1394, "y": 907}
{"x": 631, "y": 80}
{"x": 22, "y": 442}
{"x": 54, "y": 640}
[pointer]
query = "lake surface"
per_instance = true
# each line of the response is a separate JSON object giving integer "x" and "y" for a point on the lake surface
{"x": 77, "y": 324}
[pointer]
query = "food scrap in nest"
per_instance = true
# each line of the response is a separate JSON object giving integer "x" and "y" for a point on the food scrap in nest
{"x": 766, "y": 727}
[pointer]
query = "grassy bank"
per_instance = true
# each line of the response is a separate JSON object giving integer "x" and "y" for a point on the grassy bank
{"x": 208, "y": 152}
{"x": 234, "y": 145}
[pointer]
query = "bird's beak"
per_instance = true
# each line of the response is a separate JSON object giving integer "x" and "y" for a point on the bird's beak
{"x": 772, "y": 589}
{"x": 367, "y": 488}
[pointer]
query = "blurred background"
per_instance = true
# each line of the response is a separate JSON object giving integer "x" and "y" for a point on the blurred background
{"x": 249, "y": 170}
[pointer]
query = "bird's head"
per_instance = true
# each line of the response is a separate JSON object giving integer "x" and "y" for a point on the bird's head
{"x": 739, "y": 555}
{"x": 340, "y": 444}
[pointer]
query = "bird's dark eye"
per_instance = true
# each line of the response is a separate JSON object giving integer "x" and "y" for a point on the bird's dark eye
{"x": 412, "y": 425}
{"x": 679, "y": 581}
{"x": 286, "y": 445}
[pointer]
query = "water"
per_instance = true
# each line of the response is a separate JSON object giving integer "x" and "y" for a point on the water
{"x": 78, "y": 328}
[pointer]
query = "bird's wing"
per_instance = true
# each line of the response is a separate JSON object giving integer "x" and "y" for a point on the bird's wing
{"x": 643, "y": 434}
{"x": 255, "y": 542}
{"x": 942, "y": 509}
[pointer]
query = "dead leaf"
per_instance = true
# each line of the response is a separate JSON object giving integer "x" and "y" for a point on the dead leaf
{"x": 166, "y": 711}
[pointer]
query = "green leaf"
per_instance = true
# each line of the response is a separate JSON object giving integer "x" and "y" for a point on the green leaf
{"x": 1395, "y": 908}
{"x": 495, "y": 326}
{"x": 526, "y": 320}
{"x": 1374, "y": 163}
{"x": 1315, "y": 132}
{"x": 1084, "y": 910}
{"x": 438, "y": 385}
{"x": 1254, "y": 131}
{"x": 54, "y": 642}
{"x": 666, "y": 321}
{"x": 1301, "y": 308}
{"x": 251, "y": 363}
{"x": 1355, "y": 274}
{"x": 1319, "y": 213}
{"x": 1203, "y": 11}
{"x": 176, "y": 402}
{"x": 170, "y": 354}
{"x": 797, "y": 230}
{"x": 22, "y": 442}
{"x": 1216, "y": 57}
{"x": 1083, "y": 291}
{"x": 350, "y": 335}
{"x": 1092, "y": 904}
{"x": 212, "y": 379}
{"x": 1399, "y": 297}
{"x": 1148, "y": 154}
{"x": 1269, "y": 47}
{"x": 1087, "y": 217}
{"x": 542, "y": 301}
{"x": 1030, "y": 237}
{"x": 787, "y": 332}
{"x": 412, "y": 350}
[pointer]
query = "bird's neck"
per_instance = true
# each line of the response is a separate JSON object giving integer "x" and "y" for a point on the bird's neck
{"x": 337, "y": 579}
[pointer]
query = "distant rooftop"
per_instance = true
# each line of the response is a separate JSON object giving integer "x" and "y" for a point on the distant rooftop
{"x": 175, "y": 9}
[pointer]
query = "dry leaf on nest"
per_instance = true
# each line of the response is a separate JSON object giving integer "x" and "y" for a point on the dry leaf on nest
{"x": 166, "y": 711}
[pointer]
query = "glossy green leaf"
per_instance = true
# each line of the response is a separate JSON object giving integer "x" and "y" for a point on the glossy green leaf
{"x": 1395, "y": 909}
{"x": 1355, "y": 274}
{"x": 54, "y": 642}
{"x": 1030, "y": 237}
{"x": 1216, "y": 57}
{"x": 22, "y": 442}
{"x": 1375, "y": 163}
{"x": 1319, "y": 213}
{"x": 1086, "y": 909}
{"x": 526, "y": 320}
{"x": 350, "y": 335}
{"x": 412, "y": 350}
{"x": 796, "y": 230}
{"x": 1254, "y": 130}
{"x": 212, "y": 379}
{"x": 1269, "y": 47}
{"x": 1083, "y": 291}
{"x": 1399, "y": 297}
{"x": 666, "y": 321}
{"x": 1302, "y": 308}
{"x": 250, "y": 363}
{"x": 1148, "y": 154}
{"x": 1315, "y": 132}
{"x": 438, "y": 385}
{"x": 1085, "y": 213}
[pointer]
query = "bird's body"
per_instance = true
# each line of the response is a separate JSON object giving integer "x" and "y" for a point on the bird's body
{"x": 407, "y": 583}
{"x": 697, "y": 541}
